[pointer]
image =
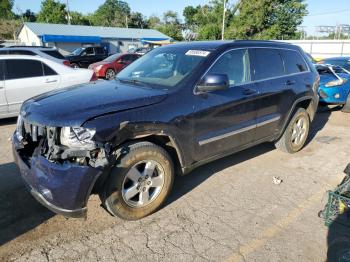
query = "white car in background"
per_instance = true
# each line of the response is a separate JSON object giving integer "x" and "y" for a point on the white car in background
{"x": 23, "y": 77}
{"x": 46, "y": 52}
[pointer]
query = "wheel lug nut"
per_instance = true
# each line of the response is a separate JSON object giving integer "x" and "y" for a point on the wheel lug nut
{"x": 149, "y": 182}
{"x": 144, "y": 189}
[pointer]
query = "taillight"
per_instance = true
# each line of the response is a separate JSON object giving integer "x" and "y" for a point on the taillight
{"x": 66, "y": 62}
{"x": 93, "y": 77}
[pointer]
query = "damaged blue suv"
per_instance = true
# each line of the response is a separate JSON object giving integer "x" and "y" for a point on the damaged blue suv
{"x": 176, "y": 108}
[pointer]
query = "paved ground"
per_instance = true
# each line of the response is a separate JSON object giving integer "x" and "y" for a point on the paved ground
{"x": 228, "y": 210}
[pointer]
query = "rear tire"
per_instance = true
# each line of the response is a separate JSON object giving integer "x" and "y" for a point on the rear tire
{"x": 110, "y": 74}
{"x": 140, "y": 183}
{"x": 296, "y": 133}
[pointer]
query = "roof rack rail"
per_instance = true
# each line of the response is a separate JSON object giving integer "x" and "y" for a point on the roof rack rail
{"x": 28, "y": 46}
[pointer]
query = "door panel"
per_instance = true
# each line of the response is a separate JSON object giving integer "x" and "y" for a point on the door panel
{"x": 25, "y": 79}
{"x": 226, "y": 119}
{"x": 269, "y": 74}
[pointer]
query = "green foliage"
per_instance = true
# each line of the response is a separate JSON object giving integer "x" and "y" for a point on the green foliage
{"x": 256, "y": 19}
{"x": 6, "y": 9}
{"x": 29, "y": 16}
{"x": 154, "y": 21}
{"x": 137, "y": 20}
{"x": 267, "y": 19}
{"x": 52, "y": 12}
{"x": 206, "y": 20}
{"x": 77, "y": 18}
{"x": 112, "y": 13}
{"x": 170, "y": 25}
{"x": 209, "y": 32}
{"x": 8, "y": 28}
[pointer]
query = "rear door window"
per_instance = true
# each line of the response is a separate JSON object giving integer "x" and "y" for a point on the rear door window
{"x": 293, "y": 62}
{"x": 99, "y": 51}
{"x": 89, "y": 51}
{"x": 23, "y": 68}
{"x": 235, "y": 64}
{"x": 267, "y": 63}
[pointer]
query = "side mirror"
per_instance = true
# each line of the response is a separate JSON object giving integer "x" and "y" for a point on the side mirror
{"x": 213, "y": 82}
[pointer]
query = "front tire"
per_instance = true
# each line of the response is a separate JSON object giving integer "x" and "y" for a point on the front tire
{"x": 296, "y": 133}
{"x": 346, "y": 107}
{"x": 140, "y": 182}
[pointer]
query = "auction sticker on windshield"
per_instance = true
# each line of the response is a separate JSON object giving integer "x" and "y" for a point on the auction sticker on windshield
{"x": 197, "y": 53}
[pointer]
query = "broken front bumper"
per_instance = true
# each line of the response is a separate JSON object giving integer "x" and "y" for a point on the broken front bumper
{"x": 62, "y": 188}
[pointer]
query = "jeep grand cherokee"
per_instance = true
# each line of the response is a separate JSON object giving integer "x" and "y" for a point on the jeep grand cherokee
{"x": 175, "y": 108}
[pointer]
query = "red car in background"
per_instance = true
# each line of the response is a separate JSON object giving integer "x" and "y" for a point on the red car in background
{"x": 112, "y": 65}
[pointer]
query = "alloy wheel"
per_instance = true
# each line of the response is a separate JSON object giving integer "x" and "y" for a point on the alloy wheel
{"x": 110, "y": 74}
{"x": 143, "y": 183}
{"x": 299, "y": 131}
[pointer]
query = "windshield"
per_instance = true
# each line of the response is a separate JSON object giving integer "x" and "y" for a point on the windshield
{"x": 112, "y": 58}
{"x": 78, "y": 51}
{"x": 165, "y": 67}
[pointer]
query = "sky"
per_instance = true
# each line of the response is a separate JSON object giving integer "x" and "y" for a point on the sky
{"x": 321, "y": 12}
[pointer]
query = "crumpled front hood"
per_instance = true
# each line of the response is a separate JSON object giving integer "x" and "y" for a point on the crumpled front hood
{"x": 73, "y": 106}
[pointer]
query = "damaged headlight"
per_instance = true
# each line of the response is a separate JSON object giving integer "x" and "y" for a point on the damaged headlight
{"x": 77, "y": 137}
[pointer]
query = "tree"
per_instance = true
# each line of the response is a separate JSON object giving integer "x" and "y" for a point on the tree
{"x": 137, "y": 20}
{"x": 52, "y": 12}
{"x": 77, "y": 18}
{"x": 154, "y": 22}
{"x": 6, "y": 9}
{"x": 171, "y": 26}
{"x": 29, "y": 16}
{"x": 189, "y": 15}
{"x": 8, "y": 28}
{"x": 112, "y": 13}
{"x": 267, "y": 19}
{"x": 206, "y": 20}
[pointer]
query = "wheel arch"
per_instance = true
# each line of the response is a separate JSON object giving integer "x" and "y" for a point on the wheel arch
{"x": 308, "y": 103}
{"x": 167, "y": 142}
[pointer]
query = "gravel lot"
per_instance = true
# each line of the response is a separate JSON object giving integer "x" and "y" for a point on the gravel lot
{"x": 229, "y": 210}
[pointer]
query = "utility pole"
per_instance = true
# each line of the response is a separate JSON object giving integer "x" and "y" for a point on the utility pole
{"x": 223, "y": 22}
{"x": 68, "y": 15}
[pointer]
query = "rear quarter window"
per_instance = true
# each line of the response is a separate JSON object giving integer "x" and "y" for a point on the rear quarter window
{"x": 293, "y": 62}
{"x": 2, "y": 71}
{"x": 21, "y": 52}
{"x": 54, "y": 53}
{"x": 48, "y": 71}
{"x": 267, "y": 63}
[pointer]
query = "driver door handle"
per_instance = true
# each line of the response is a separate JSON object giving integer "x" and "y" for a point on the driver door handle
{"x": 290, "y": 82}
{"x": 50, "y": 81}
{"x": 249, "y": 91}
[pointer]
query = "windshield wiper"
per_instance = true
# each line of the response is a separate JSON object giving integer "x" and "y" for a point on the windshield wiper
{"x": 132, "y": 81}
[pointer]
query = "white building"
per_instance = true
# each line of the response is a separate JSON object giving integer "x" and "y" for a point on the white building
{"x": 69, "y": 37}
